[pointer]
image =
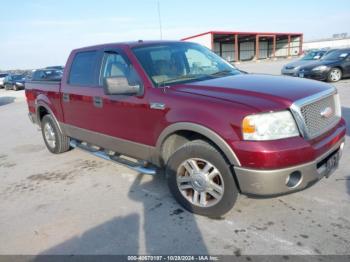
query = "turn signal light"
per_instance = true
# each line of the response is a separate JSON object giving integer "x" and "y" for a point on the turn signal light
{"x": 247, "y": 126}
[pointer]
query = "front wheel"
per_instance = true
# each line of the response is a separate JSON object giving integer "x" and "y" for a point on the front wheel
{"x": 15, "y": 88}
{"x": 334, "y": 75}
{"x": 55, "y": 141}
{"x": 201, "y": 180}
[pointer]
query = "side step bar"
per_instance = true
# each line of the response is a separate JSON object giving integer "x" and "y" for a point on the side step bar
{"x": 114, "y": 158}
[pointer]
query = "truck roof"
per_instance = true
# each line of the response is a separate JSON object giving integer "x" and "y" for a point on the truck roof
{"x": 130, "y": 44}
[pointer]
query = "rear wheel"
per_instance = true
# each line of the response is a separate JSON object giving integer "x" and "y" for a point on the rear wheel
{"x": 334, "y": 75}
{"x": 55, "y": 141}
{"x": 201, "y": 180}
{"x": 6, "y": 87}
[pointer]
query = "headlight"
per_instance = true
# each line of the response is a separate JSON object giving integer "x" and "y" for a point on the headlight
{"x": 320, "y": 68}
{"x": 269, "y": 126}
{"x": 19, "y": 83}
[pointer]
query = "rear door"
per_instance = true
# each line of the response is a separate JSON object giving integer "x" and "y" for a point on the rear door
{"x": 80, "y": 91}
{"x": 115, "y": 122}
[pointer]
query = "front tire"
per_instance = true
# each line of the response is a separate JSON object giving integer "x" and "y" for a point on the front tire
{"x": 200, "y": 179}
{"x": 334, "y": 75}
{"x": 55, "y": 141}
{"x": 15, "y": 88}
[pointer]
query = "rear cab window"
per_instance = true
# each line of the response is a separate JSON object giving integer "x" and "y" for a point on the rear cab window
{"x": 47, "y": 75}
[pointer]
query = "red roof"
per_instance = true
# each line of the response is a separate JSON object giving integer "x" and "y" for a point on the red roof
{"x": 240, "y": 33}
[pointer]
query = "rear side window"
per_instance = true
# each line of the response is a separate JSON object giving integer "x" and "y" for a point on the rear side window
{"x": 82, "y": 72}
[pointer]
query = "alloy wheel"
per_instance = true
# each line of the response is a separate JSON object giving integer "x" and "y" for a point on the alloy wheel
{"x": 49, "y": 135}
{"x": 335, "y": 75}
{"x": 200, "y": 182}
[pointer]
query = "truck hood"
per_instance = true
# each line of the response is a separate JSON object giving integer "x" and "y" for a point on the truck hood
{"x": 262, "y": 92}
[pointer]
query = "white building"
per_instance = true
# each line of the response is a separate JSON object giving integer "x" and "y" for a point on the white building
{"x": 327, "y": 43}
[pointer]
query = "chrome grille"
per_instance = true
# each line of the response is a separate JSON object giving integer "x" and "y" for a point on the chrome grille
{"x": 315, "y": 123}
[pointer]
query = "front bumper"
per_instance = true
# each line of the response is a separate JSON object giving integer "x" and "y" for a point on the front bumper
{"x": 289, "y": 72}
{"x": 274, "y": 182}
{"x": 317, "y": 75}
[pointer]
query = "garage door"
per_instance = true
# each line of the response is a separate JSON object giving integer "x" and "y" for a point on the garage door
{"x": 247, "y": 51}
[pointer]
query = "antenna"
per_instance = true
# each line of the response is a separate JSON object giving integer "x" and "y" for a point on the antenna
{"x": 160, "y": 21}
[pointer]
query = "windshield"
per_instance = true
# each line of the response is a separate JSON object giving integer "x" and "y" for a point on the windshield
{"x": 17, "y": 77}
{"x": 313, "y": 56}
{"x": 336, "y": 55}
{"x": 174, "y": 63}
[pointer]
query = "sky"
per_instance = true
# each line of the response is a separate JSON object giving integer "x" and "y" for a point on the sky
{"x": 42, "y": 33}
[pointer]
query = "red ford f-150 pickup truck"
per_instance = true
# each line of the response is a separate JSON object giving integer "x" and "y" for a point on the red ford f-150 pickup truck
{"x": 215, "y": 130}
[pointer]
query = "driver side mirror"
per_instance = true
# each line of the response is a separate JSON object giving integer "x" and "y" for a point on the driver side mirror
{"x": 119, "y": 85}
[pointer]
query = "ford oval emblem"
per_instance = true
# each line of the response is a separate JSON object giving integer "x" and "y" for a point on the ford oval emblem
{"x": 327, "y": 112}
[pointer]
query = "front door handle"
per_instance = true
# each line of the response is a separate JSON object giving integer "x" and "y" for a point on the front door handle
{"x": 98, "y": 102}
{"x": 65, "y": 97}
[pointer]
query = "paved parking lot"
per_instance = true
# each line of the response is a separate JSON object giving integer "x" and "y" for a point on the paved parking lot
{"x": 74, "y": 203}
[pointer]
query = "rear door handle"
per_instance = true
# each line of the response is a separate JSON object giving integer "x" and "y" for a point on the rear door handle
{"x": 65, "y": 97}
{"x": 98, "y": 102}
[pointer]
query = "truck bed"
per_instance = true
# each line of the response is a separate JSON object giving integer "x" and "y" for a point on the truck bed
{"x": 47, "y": 92}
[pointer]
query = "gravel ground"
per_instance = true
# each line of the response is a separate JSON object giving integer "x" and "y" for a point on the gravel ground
{"x": 74, "y": 203}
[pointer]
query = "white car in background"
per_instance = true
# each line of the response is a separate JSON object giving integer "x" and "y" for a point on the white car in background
{"x": 2, "y": 77}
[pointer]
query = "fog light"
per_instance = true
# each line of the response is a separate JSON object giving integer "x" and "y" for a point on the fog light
{"x": 294, "y": 179}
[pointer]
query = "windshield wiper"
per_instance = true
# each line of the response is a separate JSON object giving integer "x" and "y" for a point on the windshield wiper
{"x": 223, "y": 72}
{"x": 181, "y": 78}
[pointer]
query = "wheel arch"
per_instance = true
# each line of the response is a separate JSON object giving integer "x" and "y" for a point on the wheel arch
{"x": 339, "y": 67}
{"x": 43, "y": 109}
{"x": 176, "y": 134}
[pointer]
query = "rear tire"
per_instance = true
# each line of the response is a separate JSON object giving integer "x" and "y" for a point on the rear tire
{"x": 334, "y": 75}
{"x": 209, "y": 188}
{"x": 55, "y": 141}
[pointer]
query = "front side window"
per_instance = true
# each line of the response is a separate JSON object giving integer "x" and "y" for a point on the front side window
{"x": 115, "y": 66}
{"x": 82, "y": 72}
{"x": 335, "y": 55}
{"x": 174, "y": 63}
